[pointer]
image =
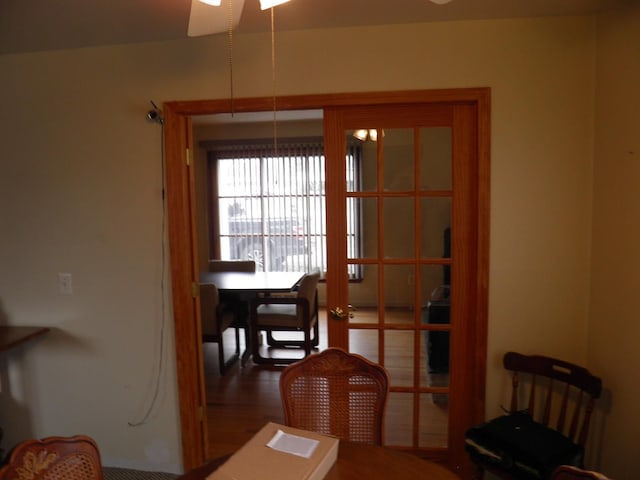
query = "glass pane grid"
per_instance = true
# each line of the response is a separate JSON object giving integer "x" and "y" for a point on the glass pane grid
{"x": 406, "y": 272}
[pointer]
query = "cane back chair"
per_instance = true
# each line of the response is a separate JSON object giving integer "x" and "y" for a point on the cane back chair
{"x": 54, "y": 458}
{"x": 336, "y": 393}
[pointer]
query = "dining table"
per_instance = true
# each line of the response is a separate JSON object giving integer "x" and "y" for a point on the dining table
{"x": 252, "y": 282}
{"x": 244, "y": 285}
{"x": 357, "y": 462}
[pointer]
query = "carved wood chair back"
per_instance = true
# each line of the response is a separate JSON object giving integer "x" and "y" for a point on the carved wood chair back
{"x": 54, "y": 458}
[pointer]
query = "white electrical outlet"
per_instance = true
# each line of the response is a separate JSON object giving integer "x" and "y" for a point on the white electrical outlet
{"x": 64, "y": 283}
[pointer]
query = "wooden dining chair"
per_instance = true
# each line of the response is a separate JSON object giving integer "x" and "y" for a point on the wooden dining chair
{"x": 216, "y": 317}
{"x": 235, "y": 303}
{"x": 336, "y": 393}
{"x": 232, "y": 266}
{"x": 54, "y": 458}
{"x": 567, "y": 472}
{"x": 298, "y": 313}
{"x": 548, "y": 431}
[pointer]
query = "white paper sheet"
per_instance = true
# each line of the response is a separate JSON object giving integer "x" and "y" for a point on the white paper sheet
{"x": 293, "y": 444}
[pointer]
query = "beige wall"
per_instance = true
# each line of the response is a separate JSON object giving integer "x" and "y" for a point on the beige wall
{"x": 614, "y": 329}
{"x": 80, "y": 171}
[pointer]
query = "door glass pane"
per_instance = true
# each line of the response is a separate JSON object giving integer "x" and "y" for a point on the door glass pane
{"x": 435, "y": 219}
{"x": 435, "y": 158}
{"x": 433, "y": 285}
{"x": 399, "y": 228}
{"x": 398, "y": 155}
{"x": 399, "y": 293}
{"x": 365, "y": 343}
{"x": 435, "y": 310}
{"x": 361, "y": 158}
{"x": 434, "y": 362}
{"x": 434, "y": 427}
{"x": 399, "y": 419}
{"x": 367, "y": 224}
{"x": 363, "y": 295}
{"x": 398, "y": 356}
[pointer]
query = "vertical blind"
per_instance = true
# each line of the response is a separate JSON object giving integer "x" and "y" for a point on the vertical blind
{"x": 270, "y": 207}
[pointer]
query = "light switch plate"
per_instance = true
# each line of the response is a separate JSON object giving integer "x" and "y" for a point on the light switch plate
{"x": 65, "y": 283}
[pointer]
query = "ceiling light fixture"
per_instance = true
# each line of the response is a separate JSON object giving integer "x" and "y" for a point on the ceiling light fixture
{"x": 364, "y": 134}
{"x": 264, "y": 4}
{"x": 437, "y": 2}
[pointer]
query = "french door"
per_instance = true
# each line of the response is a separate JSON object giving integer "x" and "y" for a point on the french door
{"x": 404, "y": 273}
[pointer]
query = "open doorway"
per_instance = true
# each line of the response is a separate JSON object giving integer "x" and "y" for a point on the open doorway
{"x": 185, "y": 254}
{"x": 234, "y": 204}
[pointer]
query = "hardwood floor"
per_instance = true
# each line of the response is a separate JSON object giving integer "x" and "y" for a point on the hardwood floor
{"x": 244, "y": 399}
{"x": 239, "y": 404}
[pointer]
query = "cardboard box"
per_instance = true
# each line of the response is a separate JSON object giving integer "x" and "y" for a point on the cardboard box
{"x": 255, "y": 460}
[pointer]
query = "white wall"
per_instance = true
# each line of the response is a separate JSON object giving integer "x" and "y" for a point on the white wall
{"x": 80, "y": 183}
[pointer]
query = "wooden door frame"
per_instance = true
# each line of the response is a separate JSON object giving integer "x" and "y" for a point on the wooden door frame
{"x": 183, "y": 246}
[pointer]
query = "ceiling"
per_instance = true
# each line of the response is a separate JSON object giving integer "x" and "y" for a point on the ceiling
{"x": 39, "y": 25}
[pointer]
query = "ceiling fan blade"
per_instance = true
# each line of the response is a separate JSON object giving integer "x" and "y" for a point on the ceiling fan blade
{"x": 207, "y": 20}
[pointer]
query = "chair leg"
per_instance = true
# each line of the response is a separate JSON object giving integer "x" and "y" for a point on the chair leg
{"x": 255, "y": 349}
{"x": 315, "y": 340}
{"x": 237, "y": 332}
{"x": 307, "y": 342}
{"x": 255, "y": 343}
{"x": 221, "y": 362}
{"x": 247, "y": 347}
{"x": 316, "y": 333}
{"x": 225, "y": 365}
{"x": 271, "y": 341}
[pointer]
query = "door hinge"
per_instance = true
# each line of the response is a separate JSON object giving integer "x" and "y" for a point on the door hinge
{"x": 188, "y": 157}
{"x": 201, "y": 413}
{"x": 195, "y": 289}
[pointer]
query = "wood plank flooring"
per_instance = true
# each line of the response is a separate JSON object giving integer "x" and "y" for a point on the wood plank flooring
{"x": 243, "y": 400}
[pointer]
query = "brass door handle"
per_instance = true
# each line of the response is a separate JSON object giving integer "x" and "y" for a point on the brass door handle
{"x": 340, "y": 314}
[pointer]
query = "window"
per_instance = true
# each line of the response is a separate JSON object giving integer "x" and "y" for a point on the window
{"x": 271, "y": 208}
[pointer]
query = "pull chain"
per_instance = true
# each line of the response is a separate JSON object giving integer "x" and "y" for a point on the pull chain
{"x": 273, "y": 81}
{"x": 230, "y": 49}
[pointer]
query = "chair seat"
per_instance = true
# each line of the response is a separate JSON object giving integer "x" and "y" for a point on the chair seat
{"x": 280, "y": 315}
{"x": 284, "y": 313}
{"x": 526, "y": 448}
